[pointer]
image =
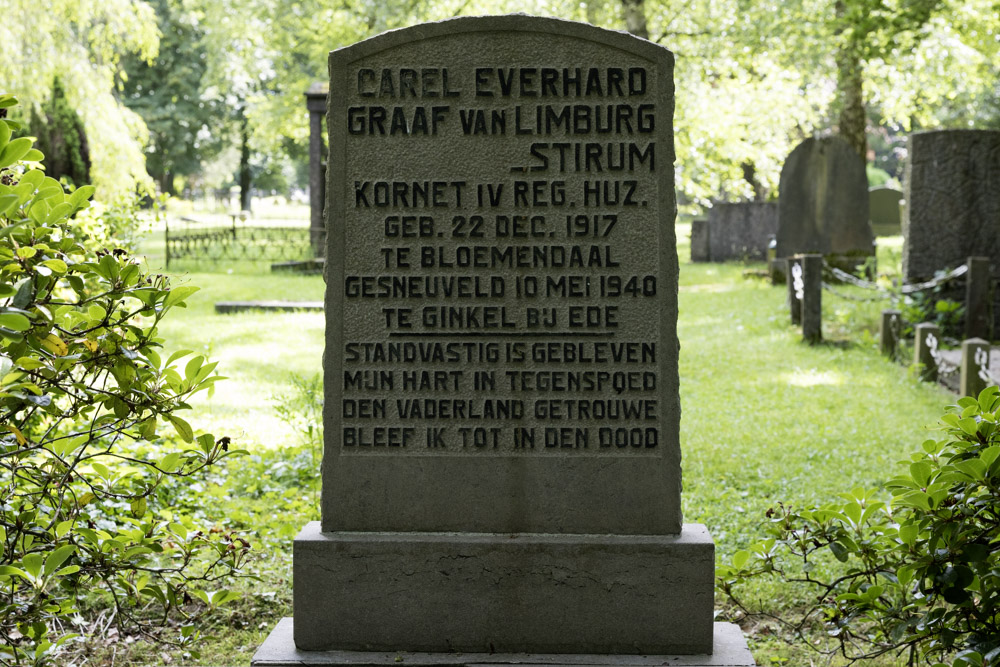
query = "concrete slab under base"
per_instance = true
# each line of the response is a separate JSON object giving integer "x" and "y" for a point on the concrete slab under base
{"x": 502, "y": 593}
{"x": 278, "y": 650}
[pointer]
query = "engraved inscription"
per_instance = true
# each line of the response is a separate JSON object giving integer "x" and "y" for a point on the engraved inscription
{"x": 508, "y": 308}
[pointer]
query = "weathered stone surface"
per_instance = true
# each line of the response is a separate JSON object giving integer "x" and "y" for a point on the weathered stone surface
{"x": 926, "y": 343}
{"x": 499, "y": 202}
{"x": 974, "y": 364}
{"x": 501, "y": 460}
{"x": 741, "y": 231}
{"x": 889, "y": 330}
{"x": 953, "y": 201}
{"x": 505, "y": 593}
{"x": 979, "y": 284}
{"x": 884, "y": 211}
{"x": 812, "y": 298}
{"x": 953, "y": 205}
{"x": 823, "y": 202}
{"x": 730, "y": 650}
{"x": 699, "y": 241}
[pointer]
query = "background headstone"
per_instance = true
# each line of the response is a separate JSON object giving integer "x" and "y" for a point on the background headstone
{"x": 501, "y": 464}
{"x": 741, "y": 231}
{"x": 885, "y": 211}
{"x": 699, "y": 241}
{"x": 823, "y": 203}
{"x": 953, "y": 204}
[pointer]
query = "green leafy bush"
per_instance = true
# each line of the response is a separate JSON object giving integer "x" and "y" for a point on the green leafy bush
{"x": 86, "y": 478}
{"x": 917, "y": 573}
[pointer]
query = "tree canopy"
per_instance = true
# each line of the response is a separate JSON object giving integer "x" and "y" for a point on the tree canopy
{"x": 83, "y": 41}
{"x": 754, "y": 77}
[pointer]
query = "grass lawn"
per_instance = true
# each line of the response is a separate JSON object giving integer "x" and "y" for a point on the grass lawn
{"x": 765, "y": 418}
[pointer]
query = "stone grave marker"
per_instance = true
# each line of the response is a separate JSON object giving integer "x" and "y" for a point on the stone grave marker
{"x": 884, "y": 211}
{"x": 953, "y": 205}
{"x": 501, "y": 467}
{"x": 699, "y": 241}
{"x": 741, "y": 230}
{"x": 823, "y": 203}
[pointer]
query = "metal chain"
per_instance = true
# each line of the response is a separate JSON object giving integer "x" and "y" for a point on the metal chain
{"x": 846, "y": 277}
{"x": 881, "y": 297}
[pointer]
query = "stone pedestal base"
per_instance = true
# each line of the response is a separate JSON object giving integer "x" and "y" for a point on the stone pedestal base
{"x": 278, "y": 650}
{"x": 499, "y": 593}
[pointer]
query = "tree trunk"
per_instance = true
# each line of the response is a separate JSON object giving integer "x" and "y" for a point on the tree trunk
{"x": 853, "y": 119}
{"x": 167, "y": 183}
{"x": 245, "y": 179}
{"x": 635, "y": 17}
{"x": 850, "y": 94}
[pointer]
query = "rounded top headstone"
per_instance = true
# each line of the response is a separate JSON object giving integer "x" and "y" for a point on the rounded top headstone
{"x": 823, "y": 200}
{"x": 500, "y": 226}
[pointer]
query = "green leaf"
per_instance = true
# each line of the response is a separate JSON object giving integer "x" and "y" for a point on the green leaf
{"x": 192, "y": 367}
{"x": 56, "y": 265}
{"x": 14, "y": 151}
{"x": 182, "y": 427}
{"x": 138, "y": 507}
{"x": 10, "y": 570}
{"x": 14, "y": 322}
{"x": 34, "y": 155}
{"x": 840, "y": 551}
{"x": 101, "y": 469}
{"x": 975, "y": 553}
{"x": 34, "y": 178}
{"x": 989, "y": 455}
{"x": 178, "y": 294}
{"x": 63, "y": 527}
{"x": 4, "y": 134}
{"x": 33, "y": 564}
{"x": 58, "y": 557}
{"x": 169, "y": 462}
{"x": 81, "y": 195}
{"x": 7, "y": 202}
{"x": 969, "y": 425}
{"x": 58, "y": 212}
{"x": 921, "y": 472}
{"x": 177, "y": 355}
{"x": 908, "y": 533}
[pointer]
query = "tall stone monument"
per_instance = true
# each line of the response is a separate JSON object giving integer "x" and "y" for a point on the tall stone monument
{"x": 823, "y": 203}
{"x": 501, "y": 468}
{"x": 953, "y": 204}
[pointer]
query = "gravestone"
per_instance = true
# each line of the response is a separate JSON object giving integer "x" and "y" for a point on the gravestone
{"x": 699, "y": 241}
{"x": 823, "y": 203}
{"x": 953, "y": 205}
{"x": 501, "y": 467}
{"x": 884, "y": 205}
{"x": 741, "y": 231}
